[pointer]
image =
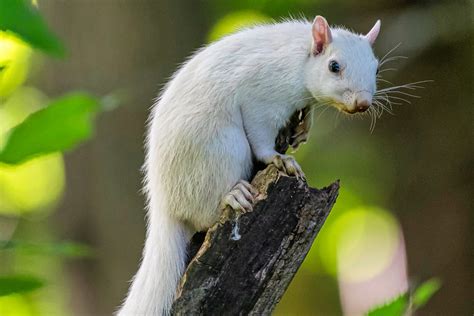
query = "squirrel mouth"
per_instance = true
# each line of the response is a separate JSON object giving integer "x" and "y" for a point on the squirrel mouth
{"x": 339, "y": 106}
{"x": 343, "y": 108}
{"x": 350, "y": 111}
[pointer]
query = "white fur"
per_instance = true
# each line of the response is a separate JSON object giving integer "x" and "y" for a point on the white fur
{"x": 221, "y": 109}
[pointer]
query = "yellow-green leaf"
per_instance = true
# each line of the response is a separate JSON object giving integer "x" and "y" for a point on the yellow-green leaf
{"x": 425, "y": 291}
{"x": 395, "y": 307}
{"x": 60, "y": 126}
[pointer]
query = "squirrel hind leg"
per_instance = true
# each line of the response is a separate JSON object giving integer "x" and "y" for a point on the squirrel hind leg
{"x": 241, "y": 197}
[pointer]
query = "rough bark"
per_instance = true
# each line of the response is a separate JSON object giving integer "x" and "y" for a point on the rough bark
{"x": 246, "y": 261}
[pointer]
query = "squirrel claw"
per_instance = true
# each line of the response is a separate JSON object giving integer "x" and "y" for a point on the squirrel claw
{"x": 241, "y": 197}
{"x": 289, "y": 165}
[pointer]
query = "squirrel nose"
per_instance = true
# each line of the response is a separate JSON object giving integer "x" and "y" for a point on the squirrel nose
{"x": 362, "y": 105}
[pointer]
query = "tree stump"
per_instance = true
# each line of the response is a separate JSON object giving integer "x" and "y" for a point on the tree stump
{"x": 245, "y": 262}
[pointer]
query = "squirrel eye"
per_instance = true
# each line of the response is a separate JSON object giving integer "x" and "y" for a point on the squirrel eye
{"x": 334, "y": 66}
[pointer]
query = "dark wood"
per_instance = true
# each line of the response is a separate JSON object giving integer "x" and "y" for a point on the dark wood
{"x": 247, "y": 261}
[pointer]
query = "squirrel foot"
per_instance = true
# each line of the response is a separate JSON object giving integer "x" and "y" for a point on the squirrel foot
{"x": 288, "y": 165}
{"x": 241, "y": 197}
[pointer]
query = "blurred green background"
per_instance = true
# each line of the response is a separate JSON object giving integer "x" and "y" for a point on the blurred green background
{"x": 72, "y": 225}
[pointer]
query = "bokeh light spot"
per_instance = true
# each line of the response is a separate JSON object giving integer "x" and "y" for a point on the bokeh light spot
{"x": 15, "y": 62}
{"x": 32, "y": 186}
{"x": 235, "y": 21}
{"x": 15, "y": 305}
{"x": 367, "y": 239}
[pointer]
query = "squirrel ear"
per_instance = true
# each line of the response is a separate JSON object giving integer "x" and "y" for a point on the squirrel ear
{"x": 321, "y": 34}
{"x": 373, "y": 33}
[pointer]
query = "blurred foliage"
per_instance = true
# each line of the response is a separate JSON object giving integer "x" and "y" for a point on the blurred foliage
{"x": 60, "y": 126}
{"x": 15, "y": 108}
{"x": 33, "y": 133}
{"x": 36, "y": 185}
{"x": 425, "y": 291}
{"x": 18, "y": 284}
{"x": 395, "y": 307}
{"x": 23, "y": 19}
{"x": 63, "y": 249}
{"x": 401, "y": 304}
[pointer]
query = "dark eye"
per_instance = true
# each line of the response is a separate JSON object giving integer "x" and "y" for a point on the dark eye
{"x": 377, "y": 72}
{"x": 334, "y": 66}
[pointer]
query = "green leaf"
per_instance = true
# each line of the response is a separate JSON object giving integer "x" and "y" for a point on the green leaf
{"x": 395, "y": 307}
{"x": 62, "y": 125}
{"x": 425, "y": 291}
{"x": 63, "y": 249}
{"x": 23, "y": 19}
{"x": 11, "y": 284}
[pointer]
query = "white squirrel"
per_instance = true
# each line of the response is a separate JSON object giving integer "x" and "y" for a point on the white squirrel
{"x": 223, "y": 109}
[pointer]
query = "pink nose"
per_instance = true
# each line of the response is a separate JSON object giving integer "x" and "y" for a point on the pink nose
{"x": 362, "y": 105}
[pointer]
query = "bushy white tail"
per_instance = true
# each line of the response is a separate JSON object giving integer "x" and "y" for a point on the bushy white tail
{"x": 154, "y": 286}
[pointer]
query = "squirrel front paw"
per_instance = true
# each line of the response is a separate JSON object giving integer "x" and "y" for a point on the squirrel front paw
{"x": 288, "y": 165}
{"x": 241, "y": 197}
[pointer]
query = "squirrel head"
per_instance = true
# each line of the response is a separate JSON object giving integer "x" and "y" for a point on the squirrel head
{"x": 342, "y": 68}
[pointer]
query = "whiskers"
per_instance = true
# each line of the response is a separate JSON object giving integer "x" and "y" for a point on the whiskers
{"x": 384, "y": 99}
